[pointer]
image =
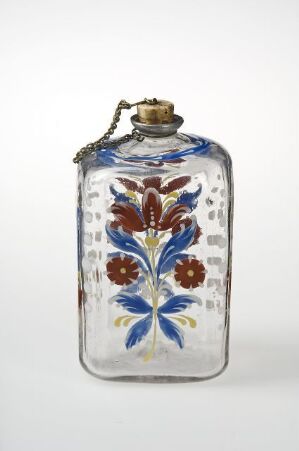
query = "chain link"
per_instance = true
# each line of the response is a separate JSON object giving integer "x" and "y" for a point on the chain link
{"x": 104, "y": 142}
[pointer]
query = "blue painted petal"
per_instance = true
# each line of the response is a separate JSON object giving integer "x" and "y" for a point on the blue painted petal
{"x": 178, "y": 242}
{"x": 132, "y": 302}
{"x": 177, "y": 303}
{"x": 171, "y": 330}
{"x": 139, "y": 331}
{"x": 169, "y": 264}
{"x": 189, "y": 199}
{"x": 125, "y": 242}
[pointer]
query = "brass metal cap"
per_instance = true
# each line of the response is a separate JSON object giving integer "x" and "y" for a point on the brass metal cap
{"x": 158, "y": 113}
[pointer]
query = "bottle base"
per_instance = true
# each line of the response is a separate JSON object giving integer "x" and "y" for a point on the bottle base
{"x": 155, "y": 379}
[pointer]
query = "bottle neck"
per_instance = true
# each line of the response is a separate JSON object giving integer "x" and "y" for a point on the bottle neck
{"x": 152, "y": 145}
{"x": 160, "y": 130}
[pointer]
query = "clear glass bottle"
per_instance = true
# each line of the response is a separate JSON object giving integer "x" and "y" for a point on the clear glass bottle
{"x": 154, "y": 247}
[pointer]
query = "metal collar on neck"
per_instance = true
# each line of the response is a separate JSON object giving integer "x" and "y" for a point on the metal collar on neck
{"x": 157, "y": 130}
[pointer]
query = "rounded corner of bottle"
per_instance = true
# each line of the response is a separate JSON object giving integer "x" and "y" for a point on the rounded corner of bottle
{"x": 88, "y": 368}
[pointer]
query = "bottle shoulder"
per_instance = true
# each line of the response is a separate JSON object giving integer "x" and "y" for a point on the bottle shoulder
{"x": 176, "y": 151}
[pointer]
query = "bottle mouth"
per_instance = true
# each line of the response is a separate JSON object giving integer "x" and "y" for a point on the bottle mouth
{"x": 157, "y": 130}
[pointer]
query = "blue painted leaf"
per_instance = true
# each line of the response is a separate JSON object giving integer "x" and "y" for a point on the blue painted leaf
{"x": 178, "y": 242}
{"x": 139, "y": 331}
{"x": 169, "y": 264}
{"x": 106, "y": 157}
{"x": 117, "y": 254}
{"x": 135, "y": 286}
{"x": 125, "y": 242}
{"x": 177, "y": 303}
{"x": 189, "y": 199}
{"x": 165, "y": 289}
{"x": 110, "y": 156}
{"x": 121, "y": 197}
{"x": 132, "y": 302}
{"x": 171, "y": 330}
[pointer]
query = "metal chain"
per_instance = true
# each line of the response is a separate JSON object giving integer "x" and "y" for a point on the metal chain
{"x": 104, "y": 142}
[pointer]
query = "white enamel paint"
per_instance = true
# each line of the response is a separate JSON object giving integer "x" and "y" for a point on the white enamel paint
{"x": 86, "y": 265}
{"x": 210, "y": 304}
{"x": 213, "y": 283}
{"x": 87, "y": 239}
{"x": 214, "y": 261}
{"x": 87, "y": 287}
{"x": 216, "y": 240}
{"x": 88, "y": 216}
{"x": 92, "y": 255}
{"x": 98, "y": 236}
{"x": 212, "y": 215}
{"x": 93, "y": 194}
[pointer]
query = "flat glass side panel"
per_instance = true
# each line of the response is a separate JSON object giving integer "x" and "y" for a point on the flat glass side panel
{"x": 154, "y": 266}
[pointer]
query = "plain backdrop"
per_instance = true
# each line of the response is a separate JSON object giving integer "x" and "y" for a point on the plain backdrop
{"x": 231, "y": 68}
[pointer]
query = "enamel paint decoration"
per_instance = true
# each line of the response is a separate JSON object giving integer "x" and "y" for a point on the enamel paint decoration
{"x": 153, "y": 231}
{"x": 154, "y": 250}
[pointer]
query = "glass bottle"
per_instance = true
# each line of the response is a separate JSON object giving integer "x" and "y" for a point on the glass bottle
{"x": 154, "y": 251}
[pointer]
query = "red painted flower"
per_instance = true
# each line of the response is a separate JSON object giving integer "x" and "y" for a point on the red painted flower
{"x": 122, "y": 270}
{"x": 190, "y": 273}
{"x": 186, "y": 223}
{"x": 80, "y": 296}
{"x": 151, "y": 216}
{"x": 156, "y": 182}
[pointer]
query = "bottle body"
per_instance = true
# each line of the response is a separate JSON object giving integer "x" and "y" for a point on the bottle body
{"x": 154, "y": 246}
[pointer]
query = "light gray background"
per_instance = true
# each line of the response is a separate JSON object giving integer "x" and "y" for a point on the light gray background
{"x": 231, "y": 67}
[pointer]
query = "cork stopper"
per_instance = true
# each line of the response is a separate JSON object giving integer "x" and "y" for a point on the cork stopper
{"x": 158, "y": 113}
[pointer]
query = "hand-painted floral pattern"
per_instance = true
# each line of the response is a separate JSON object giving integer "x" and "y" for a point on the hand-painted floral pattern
{"x": 155, "y": 182}
{"x": 151, "y": 215}
{"x": 189, "y": 273}
{"x": 122, "y": 270}
{"x": 151, "y": 231}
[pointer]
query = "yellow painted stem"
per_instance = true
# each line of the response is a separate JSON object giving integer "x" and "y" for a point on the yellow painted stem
{"x": 151, "y": 352}
{"x": 155, "y": 300}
